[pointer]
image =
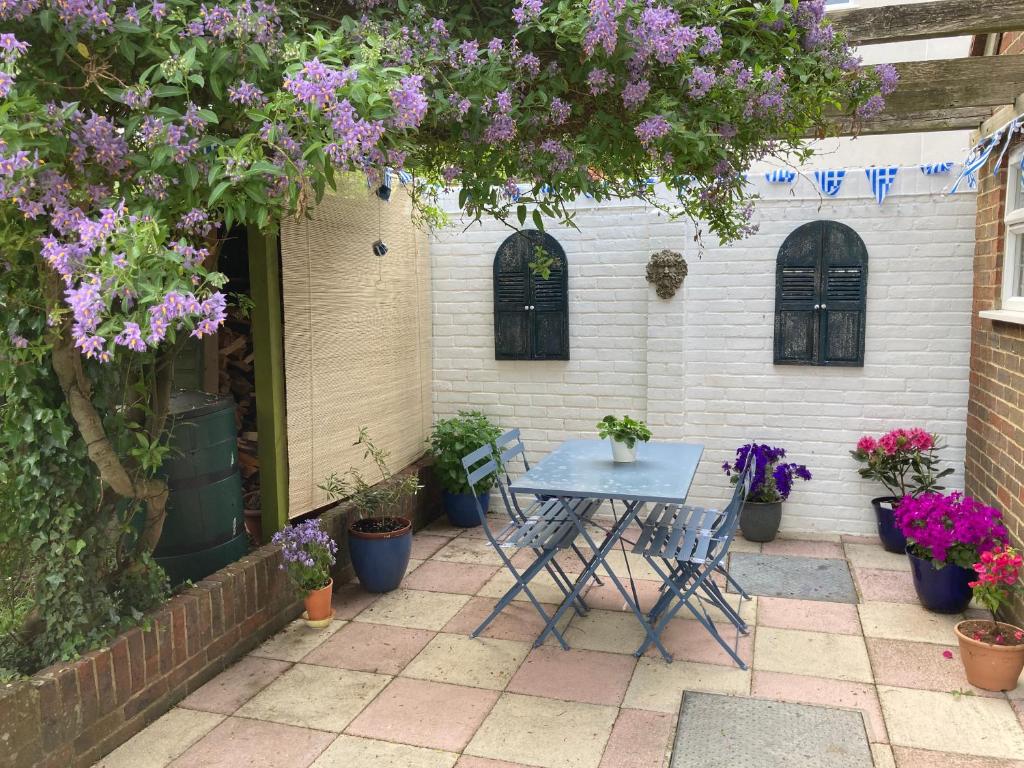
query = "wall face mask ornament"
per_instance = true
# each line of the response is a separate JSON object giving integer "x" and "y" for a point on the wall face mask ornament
{"x": 665, "y": 271}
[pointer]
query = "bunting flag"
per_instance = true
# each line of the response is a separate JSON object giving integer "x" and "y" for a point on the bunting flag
{"x": 404, "y": 177}
{"x": 935, "y": 169}
{"x": 780, "y": 176}
{"x": 978, "y": 157}
{"x": 1011, "y": 129}
{"x": 881, "y": 180}
{"x": 829, "y": 182}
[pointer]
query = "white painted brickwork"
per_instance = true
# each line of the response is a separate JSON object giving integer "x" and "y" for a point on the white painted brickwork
{"x": 699, "y": 367}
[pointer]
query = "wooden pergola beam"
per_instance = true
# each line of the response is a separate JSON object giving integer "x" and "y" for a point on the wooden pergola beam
{"x": 919, "y": 21}
{"x": 945, "y": 95}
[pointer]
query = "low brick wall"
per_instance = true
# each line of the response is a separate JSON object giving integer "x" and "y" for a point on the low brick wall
{"x": 73, "y": 714}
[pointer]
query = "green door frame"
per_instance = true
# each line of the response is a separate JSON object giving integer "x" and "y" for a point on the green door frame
{"x": 268, "y": 346}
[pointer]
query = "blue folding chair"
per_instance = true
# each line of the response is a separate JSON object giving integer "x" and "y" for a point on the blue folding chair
{"x": 685, "y": 546}
{"x": 509, "y": 448}
{"x": 545, "y": 526}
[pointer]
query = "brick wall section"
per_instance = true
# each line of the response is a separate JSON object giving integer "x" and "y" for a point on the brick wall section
{"x": 70, "y": 715}
{"x": 699, "y": 367}
{"x": 995, "y": 411}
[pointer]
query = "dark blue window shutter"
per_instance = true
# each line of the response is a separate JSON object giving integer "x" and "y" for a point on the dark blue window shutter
{"x": 531, "y": 313}
{"x": 820, "y": 296}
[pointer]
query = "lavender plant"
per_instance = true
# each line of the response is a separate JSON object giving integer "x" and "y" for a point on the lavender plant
{"x": 308, "y": 553}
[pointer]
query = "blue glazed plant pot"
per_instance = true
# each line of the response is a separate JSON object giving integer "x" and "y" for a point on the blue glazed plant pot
{"x": 941, "y": 590}
{"x": 892, "y": 538}
{"x": 461, "y": 508}
{"x": 380, "y": 558}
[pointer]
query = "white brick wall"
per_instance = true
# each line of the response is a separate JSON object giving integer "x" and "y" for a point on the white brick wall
{"x": 699, "y": 366}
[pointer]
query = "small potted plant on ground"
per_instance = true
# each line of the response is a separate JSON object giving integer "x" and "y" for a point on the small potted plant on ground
{"x": 945, "y": 535}
{"x": 904, "y": 461}
{"x": 379, "y": 541}
{"x": 625, "y": 433}
{"x": 450, "y": 440}
{"x": 771, "y": 484}
{"x": 308, "y": 554}
{"x": 993, "y": 651}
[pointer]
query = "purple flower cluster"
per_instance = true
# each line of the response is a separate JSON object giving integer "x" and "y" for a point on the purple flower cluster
{"x": 86, "y": 14}
{"x": 949, "y": 528}
{"x": 772, "y": 479}
{"x": 137, "y": 98}
{"x": 527, "y": 10}
{"x": 561, "y": 157}
{"x": 307, "y": 552}
{"x": 317, "y": 84}
{"x": 599, "y": 80}
{"x": 604, "y": 26}
{"x": 652, "y": 128}
{"x": 702, "y": 80}
{"x": 245, "y": 94}
{"x": 11, "y": 48}
{"x": 634, "y": 94}
{"x": 409, "y": 102}
{"x": 660, "y": 34}
{"x": 257, "y": 22}
{"x": 560, "y": 111}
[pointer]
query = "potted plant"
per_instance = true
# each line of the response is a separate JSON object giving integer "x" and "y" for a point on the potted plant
{"x": 450, "y": 440}
{"x": 770, "y": 485}
{"x": 379, "y": 541}
{"x": 904, "y": 461}
{"x": 308, "y": 554}
{"x": 993, "y": 651}
{"x": 945, "y": 535}
{"x": 625, "y": 433}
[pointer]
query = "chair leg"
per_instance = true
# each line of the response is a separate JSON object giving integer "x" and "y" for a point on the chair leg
{"x": 736, "y": 585}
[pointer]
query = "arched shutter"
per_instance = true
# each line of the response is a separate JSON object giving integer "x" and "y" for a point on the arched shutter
{"x": 820, "y": 296}
{"x": 531, "y": 313}
{"x": 796, "y": 296}
{"x": 512, "y": 300}
{"x": 844, "y": 295}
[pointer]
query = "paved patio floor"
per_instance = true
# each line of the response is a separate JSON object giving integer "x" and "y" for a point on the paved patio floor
{"x": 396, "y": 680}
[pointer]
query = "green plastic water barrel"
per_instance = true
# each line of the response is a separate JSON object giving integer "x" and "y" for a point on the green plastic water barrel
{"x": 204, "y": 529}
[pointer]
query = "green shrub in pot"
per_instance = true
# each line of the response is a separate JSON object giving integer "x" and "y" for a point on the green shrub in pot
{"x": 450, "y": 440}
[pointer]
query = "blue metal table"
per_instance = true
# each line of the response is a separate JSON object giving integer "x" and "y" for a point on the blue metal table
{"x": 583, "y": 469}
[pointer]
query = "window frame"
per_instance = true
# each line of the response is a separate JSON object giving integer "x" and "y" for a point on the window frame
{"x": 1013, "y": 240}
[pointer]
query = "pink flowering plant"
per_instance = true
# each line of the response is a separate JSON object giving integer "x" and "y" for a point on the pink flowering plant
{"x": 950, "y": 528}
{"x": 307, "y": 554}
{"x": 905, "y": 461}
{"x": 998, "y": 582}
{"x": 135, "y": 135}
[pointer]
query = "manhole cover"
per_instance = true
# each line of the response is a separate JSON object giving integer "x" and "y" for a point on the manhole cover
{"x": 805, "y": 578}
{"x": 731, "y": 732}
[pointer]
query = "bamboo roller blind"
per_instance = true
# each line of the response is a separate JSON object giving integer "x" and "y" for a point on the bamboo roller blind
{"x": 356, "y": 337}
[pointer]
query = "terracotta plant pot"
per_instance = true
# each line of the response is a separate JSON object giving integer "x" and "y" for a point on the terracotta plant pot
{"x": 318, "y": 603}
{"x": 990, "y": 667}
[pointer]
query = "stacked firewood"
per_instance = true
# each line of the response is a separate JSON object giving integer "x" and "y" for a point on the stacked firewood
{"x": 237, "y": 377}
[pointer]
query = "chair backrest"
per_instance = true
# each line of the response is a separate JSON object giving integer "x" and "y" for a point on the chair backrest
{"x": 729, "y": 522}
{"x": 487, "y": 463}
{"x": 510, "y": 447}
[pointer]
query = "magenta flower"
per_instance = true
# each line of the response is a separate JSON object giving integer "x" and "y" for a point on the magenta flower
{"x": 952, "y": 528}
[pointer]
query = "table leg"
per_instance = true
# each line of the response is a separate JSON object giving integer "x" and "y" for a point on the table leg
{"x": 599, "y": 558}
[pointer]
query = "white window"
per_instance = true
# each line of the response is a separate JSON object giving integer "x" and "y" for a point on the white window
{"x": 1013, "y": 252}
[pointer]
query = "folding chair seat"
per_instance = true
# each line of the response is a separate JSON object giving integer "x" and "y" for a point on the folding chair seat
{"x": 548, "y": 529}
{"x": 510, "y": 448}
{"x": 691, "y": 544}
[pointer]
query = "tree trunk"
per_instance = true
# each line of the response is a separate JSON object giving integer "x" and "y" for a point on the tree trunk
{"x": 67, "y": 364}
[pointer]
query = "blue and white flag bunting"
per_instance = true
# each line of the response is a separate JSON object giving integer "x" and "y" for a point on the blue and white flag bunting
{"x": 978, "y": 157}
{"x": 830, "y": 182}
{"x": 780, "y": 176}
{"x": 935, "y": 169}
{"x": 881, "y": 180}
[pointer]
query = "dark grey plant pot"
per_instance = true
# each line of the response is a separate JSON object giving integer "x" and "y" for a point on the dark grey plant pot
{"x": 760, "y": 521}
